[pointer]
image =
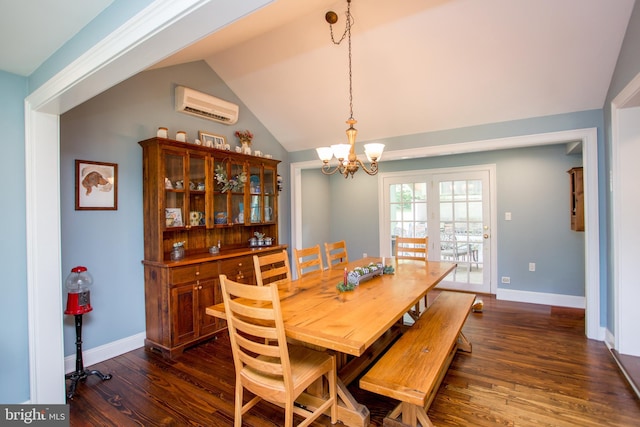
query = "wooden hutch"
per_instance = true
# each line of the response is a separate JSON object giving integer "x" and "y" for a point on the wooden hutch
{"x": 577, "y": 198}
{"x": 184, "y": 201}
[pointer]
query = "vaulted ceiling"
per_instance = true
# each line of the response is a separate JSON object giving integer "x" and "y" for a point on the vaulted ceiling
{"x": 418, "y": 65}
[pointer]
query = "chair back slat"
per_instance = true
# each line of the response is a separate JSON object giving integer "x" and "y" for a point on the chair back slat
{"x": 273, "y": 268}
{"x": 336, "y": 254}
{"x": 308, "y": 260}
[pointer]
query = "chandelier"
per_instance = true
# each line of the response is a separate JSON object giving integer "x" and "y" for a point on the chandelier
{"x": 348, "y": 162}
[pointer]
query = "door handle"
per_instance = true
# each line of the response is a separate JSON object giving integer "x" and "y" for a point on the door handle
{"x": 486, "y": 236}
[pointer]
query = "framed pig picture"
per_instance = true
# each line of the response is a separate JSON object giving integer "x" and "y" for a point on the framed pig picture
{"x": 96, "y": 185}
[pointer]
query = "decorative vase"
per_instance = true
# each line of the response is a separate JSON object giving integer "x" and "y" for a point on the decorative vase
{"x": 177, "y": 253}
{"x": 246, "y": 146}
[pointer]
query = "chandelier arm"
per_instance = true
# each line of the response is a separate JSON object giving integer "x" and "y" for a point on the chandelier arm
{"x": 373, "y": 167}
{"x": 326, "y": 169}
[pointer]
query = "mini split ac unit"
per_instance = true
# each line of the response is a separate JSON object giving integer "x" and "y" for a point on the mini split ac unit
{"x": 205, "y": 106}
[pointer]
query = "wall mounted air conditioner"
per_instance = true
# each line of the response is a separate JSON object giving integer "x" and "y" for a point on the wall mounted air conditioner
{"x": 205, "y": 106}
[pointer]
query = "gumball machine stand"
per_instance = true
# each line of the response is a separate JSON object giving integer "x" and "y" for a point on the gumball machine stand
{"x": 78, "y": 303}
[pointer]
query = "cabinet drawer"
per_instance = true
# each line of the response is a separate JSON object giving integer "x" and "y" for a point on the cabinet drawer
{"x": 191, "y": 273}
{"x": 208, "y": 270}
{"x": 239, "y": 269}
{"x": 184, "y": 274}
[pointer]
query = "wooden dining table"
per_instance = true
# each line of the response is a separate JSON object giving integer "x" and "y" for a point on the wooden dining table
{"x": 358, "y": 324}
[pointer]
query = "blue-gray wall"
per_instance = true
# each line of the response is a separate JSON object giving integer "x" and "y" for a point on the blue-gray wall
{"x": 316, "y": 202}
{"x": 14, "y": 354}
{"x": 107, "y": 128}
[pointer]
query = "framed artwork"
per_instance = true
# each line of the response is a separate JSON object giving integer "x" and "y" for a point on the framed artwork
{"x": 173, "y": 217}
{"x": 212, "y": 140}
{"x": 96, "y": 185}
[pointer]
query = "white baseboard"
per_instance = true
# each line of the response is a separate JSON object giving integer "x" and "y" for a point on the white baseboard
{"x": 106, "y": 351}
{"x": 541, "y": 298}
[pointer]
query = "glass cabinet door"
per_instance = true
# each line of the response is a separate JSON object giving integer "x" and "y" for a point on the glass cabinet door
{"x": 255, "y": 191}
{"x": 196, "y": 189}
{"x": 269, "y": 184}
{"x": 174, "y": 192}
{"x": 221, "y": 172}
{"x": 239, "y": 176}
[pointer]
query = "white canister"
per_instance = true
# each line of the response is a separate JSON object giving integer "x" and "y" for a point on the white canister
{"x": 181, "y": 136}
{"x": 163, "y": 133}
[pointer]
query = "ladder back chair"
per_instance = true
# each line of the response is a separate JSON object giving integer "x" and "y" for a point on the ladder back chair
{"x": 336, "y": 253}
{"x": 308, "y": 260}
{"x": 266, "y": 365}
{"x": 413, "y": 248}
{"x": 273, "y": 268}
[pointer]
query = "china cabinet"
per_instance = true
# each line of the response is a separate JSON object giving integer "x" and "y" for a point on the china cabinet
{"x": 577, "y": 199}
{"x": 197, "y": 198}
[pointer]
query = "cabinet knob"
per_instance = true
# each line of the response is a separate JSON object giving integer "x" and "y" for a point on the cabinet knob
{"x": 197, "y": 273}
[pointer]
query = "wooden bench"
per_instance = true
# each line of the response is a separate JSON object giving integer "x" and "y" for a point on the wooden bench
{"x": 413, "y": 368}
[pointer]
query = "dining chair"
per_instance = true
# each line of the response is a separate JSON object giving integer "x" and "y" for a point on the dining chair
{"x": 308, "y": 260}
{"x": 415, "y": 248}
{"x": 412, "y": 247}
{"x": 265, "y": 363}
{"x": 336, "y": 253}
{"x": 273, "y": 268}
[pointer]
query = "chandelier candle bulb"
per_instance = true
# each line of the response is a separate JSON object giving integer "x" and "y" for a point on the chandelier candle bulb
{"x": 373, "y": 151}
{"x": 325, "y": 153}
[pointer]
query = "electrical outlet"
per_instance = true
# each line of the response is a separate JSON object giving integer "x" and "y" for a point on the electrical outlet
{"x": 506, "y": 279}
{"x": 364, "y": 255}
{"x": 532, "y": 266}
{"x": 507, "y": 216}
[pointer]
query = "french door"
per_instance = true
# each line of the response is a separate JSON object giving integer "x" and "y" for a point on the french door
{"x": 462, "y": 214}
{"x": 453, "y": 209}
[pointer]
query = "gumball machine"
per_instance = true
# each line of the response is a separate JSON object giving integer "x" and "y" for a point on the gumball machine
{"x": 78, "y": 303}
{"x": 78, "y": 293}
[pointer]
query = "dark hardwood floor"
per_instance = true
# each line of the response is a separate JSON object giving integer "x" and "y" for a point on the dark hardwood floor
{"x": 531, "y": 365}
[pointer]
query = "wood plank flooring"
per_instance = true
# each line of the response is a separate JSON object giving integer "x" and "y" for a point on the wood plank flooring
{"x": 531, "y": 365}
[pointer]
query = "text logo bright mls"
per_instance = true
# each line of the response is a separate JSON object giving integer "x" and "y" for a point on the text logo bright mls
{"x": 49, "y": 415}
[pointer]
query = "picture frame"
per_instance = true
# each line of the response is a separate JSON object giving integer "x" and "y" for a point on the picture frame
{"x": 212, "y": 140}
{"x": 173, "y": 217}
{"x": 96, "y": 186}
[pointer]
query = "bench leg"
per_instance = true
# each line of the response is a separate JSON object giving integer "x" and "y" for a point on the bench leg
{"x": 463, "y": 343}
{"x": 406, "y": 414}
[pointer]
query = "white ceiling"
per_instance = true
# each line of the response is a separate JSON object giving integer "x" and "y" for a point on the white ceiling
{"x": 418, "y": 65}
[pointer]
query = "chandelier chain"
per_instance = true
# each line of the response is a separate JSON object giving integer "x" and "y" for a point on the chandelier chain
{"x": 347, "y": 34}
{"x": 349, "y": 22}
